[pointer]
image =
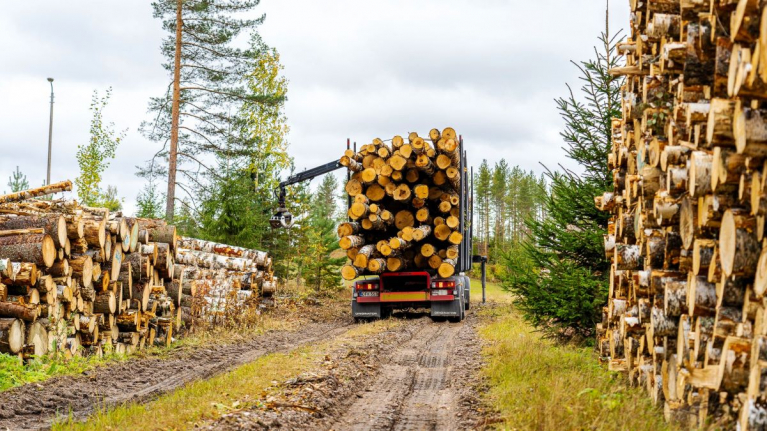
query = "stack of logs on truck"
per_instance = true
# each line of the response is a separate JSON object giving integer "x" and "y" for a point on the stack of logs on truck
{"x": 686, "y": 314}
{"x": 404, "y": 207}
{"x": 76, "y": 280}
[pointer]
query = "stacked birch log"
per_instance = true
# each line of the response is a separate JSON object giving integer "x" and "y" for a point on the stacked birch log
{"x": 405, "y": 205}
{"x": 227, "y": 280}
{"x": 76, "y": 280}
{"x": 686, "y": 314}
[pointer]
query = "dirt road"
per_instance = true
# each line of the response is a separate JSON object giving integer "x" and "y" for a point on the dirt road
{"x": 414, "y": 389}
{"x": 422, "y": 375}
{"x": 35, "y": 406}
{"x": 413, "y": 374}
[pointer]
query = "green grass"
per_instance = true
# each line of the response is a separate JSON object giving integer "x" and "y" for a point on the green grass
{"x": 15, "y": 373}
{"x": 243, "y": 387}
{"x": 537, "y": 384}
{"x": 493, "y": 291}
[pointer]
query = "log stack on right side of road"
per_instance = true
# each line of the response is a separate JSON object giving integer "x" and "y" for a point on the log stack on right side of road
{"x": 686, "y": 317}
{"x": 405, "y": 211}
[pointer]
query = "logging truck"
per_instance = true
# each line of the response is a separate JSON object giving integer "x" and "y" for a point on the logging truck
{"x": 409, "y": 233}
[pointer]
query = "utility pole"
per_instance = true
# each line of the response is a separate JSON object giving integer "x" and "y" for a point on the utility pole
{"x": 50, "y": 137}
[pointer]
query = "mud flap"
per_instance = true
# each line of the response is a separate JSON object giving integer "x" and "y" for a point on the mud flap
{"x": 447, "y": 309}
{"x": 366, "y": 311}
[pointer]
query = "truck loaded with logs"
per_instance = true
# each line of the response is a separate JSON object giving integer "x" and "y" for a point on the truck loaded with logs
{"x": 408, "y": 236}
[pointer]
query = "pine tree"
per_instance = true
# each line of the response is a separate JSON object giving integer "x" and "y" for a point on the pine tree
{"x": 560, "y": 277}
{"x": 201, "y": 115}
{"x": 482, "y": 186}
{"x": 230, "y": 212}
{"x": 18, "y": 181}
{"x": 498, "y": 193}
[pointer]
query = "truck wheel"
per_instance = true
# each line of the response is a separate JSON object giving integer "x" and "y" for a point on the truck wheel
{"x": 467, "y": 287}
{"x": 467, "y": 300}
{"x": 458, "y": 318}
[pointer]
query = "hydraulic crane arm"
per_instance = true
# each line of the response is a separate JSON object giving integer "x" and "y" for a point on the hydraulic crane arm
{"x": 283, "y": 218}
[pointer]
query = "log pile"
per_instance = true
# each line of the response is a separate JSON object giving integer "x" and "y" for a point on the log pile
{"x": 404, "y": 208}
{"x": 224, "y": 280}
{"x": 77, "y": 280}
{"x": 686, "y": 313}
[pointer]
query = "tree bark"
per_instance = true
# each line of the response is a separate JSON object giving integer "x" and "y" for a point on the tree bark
{"x": 175, "y": 109}
{"x": 11, "y": 335}
{"x": 38, "y": 249}
{"x": 63, "y": 186}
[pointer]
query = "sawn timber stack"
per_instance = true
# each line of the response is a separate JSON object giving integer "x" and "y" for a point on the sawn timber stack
{"x": 404, "y": 209}
{"x": 686, "y": 314}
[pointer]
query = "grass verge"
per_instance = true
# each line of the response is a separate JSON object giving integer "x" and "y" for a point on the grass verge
{"x": 13, "y": 372}
{"x": 537, "y": 384}
{"x": 205, "y": 400}
{"x": 493, "y": 292}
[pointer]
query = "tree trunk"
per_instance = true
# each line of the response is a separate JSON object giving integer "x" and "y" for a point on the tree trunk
{"x": 175, "y": 109}
{"x": 11, "y": 335}
{"x": 738, "y": 248}
{"x": 53, "y": 225}
{"x": 38, "y": 249}
{"x": 63, "y": 186}
{"x": 27, "y": 313}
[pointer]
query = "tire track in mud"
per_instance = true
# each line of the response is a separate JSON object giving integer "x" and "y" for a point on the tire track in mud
{"x": 414, "y": 390}
{"x": 36, "y": 406}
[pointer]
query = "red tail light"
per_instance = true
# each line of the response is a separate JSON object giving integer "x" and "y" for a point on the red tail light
{"x": 447, "y": 284}
{"x": 367, "y": 286}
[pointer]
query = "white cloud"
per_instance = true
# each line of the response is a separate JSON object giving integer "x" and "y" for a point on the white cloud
{"x": 357, "y": 69}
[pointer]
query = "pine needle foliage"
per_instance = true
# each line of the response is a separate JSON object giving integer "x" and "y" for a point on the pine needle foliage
{"x": 560, "y": 272}
{"x": 216, "y": 72}
{"x": 18, "y": 181}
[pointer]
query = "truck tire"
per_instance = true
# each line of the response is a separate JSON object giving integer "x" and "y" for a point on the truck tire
{"x": 462, "y": 307}
{"x": 467, "y": 289}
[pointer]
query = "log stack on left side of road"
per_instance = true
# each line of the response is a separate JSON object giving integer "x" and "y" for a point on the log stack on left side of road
{"x": 77, "y": 280}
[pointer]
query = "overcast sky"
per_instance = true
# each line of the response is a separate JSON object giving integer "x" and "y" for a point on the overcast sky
{"x": 357, "y": 68}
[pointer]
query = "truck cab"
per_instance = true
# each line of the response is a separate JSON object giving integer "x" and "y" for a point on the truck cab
{"x": 376, "y": 297}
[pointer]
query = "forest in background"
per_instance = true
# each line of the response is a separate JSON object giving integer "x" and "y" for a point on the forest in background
{"x": 221, "y": 135}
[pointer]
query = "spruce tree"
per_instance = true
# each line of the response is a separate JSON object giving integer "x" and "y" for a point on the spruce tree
{"x": 236, "y": 198}
{"x": 17, "y": 181}
{"x": 560, "y": 277}
{"x": 149, "y": 202}
{"x": 322, "y": 268}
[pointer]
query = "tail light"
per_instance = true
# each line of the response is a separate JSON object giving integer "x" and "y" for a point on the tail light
{"x": 447, "y": 284}
{"x": 367, "y": 286}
